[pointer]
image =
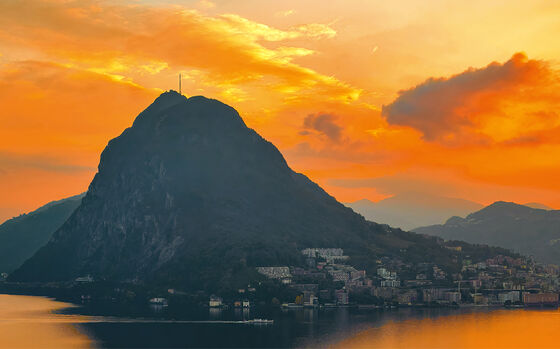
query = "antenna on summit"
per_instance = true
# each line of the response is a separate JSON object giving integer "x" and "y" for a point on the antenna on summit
{"x": 180, "y": 84}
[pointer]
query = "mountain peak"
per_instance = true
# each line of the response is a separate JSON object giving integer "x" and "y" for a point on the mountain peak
{"x": 172, "y": 110}
{"x": 190, "y": 197}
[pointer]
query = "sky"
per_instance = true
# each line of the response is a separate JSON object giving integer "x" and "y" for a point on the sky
{"x": 368, "y": 98}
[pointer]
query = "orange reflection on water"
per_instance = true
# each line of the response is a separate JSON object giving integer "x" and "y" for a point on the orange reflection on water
{"x": 29, "y": 322}
{"x": 497, "y": 329}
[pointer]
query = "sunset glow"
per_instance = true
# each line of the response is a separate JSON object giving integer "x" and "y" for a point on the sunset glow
{"x": 368, "y": 100}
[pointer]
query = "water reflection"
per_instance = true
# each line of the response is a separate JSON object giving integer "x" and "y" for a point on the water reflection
{"x": 215, "y": 313}
{"x": 21, "y": 316}
{"x": 29, "y": 322}
{"x": 496, "y": 329}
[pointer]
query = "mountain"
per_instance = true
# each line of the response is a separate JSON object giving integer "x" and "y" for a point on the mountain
{"x": 190, "y": 197}
{"x": 412, "y": 210}
{"x": 524, "y": 229}
{"x": 22, "y": 236}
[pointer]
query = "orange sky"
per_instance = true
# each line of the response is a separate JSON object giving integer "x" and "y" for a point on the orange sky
{"x": 368, "y": 98}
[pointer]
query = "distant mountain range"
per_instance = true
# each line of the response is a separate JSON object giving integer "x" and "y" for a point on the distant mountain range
{"x": 22, "y": 236}
{"x": 412, "y": 210}
{"x": 538, "y": 205}
{"x": 521, "y": 228}
{"x": 190, "y": 197}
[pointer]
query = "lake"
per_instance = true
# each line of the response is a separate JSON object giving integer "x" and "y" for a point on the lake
{"x": 40, "y": 322}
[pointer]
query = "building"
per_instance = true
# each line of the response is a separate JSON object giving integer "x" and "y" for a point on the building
{"x": 476, "y": 283}
{"x": 357, "y": 274}
{"x": 407, "y": 297}
{"x": 158, "y": 301}
{"x": 246, "y": 304}
{"x": 479, "y": 298}
{"x": 386, "y": 274}
{"x": 312, "y": 301}
{"x": 432, "y": 294}
{"x": 339, "y": 275}
{"x": 390, "y": 283}
{"x": 325, "y": 295}
{"x": 386, "y": 293}
{"x": 275, "y": 272}
{"x": 341, "y": 296}
{"x": 452, "y": 297}
{"x": 330, "y": 254}
{"x": 539, "y": 299}
{"x": 308, "y": 297}
{"x": 512, "y": 296}
{"x": 215, "y": 302}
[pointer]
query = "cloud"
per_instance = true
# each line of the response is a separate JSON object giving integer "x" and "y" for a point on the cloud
{"x": 131, "y": 40}
{"x": 317, "y": 31}
{"x": 487, "y": 105}
{"x": 324, "y": 124}
{"x": 66, "y": 114}
{"x": 205, "y": 4}
{"x": 10, "y": 161}
{"x": 285, "y": 13}
{"x": 444, "y": 183}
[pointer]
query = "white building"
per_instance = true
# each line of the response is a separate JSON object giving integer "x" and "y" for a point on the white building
{"x": 390, "y": 283}
{"x": 512, "y": 296}
{"x": 275, "y": 272}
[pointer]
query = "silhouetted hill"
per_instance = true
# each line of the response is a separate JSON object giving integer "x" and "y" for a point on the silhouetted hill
{"x": 192, "y": 198}
{"x": 506, "y": 224}
{"x": 412, "y": 210}
{"x": 22, "y": 236}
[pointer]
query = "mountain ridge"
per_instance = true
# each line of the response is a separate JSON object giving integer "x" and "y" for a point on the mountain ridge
{"x": 22, "y": 236}
{"x": 531, "y": 231}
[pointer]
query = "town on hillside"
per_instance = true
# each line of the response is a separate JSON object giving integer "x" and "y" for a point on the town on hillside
{"x": 328, "y": 280}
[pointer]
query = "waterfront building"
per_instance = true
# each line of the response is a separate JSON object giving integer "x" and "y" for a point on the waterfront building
{"x": 539, "y": 299}
{"x": 512, "y": 296}
{"x": 341, "y": 296}
{"x": 215, "y": 302}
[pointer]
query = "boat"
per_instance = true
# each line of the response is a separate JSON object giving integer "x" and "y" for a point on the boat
{"x": 259, "y": 322}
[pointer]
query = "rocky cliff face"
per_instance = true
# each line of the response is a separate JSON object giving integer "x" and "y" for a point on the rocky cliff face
{"x": 190, "y": 196}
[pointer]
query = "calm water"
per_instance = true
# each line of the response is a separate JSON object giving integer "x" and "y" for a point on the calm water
{"x": 40, "y": 322}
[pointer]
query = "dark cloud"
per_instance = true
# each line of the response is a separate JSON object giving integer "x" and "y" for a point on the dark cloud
{"x": 450, "y": 108}
{"x": 324, "y": 124}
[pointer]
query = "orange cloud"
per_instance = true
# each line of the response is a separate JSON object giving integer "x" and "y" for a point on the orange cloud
{"x": 131, "y": 40}
{"x": 74, "y": 73}
{"x": 499, "y": 102}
